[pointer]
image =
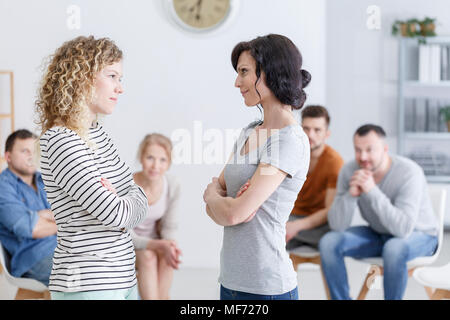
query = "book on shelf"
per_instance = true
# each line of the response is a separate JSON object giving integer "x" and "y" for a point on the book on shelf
{"x": 424, "y": 63}
{"x": 410, "y": 115}
{"x": 433, "y": 116}
{"x": 420, "y": 124}
{"x": 444, "y": 63}
{"x": 434, "y": 63}
{"x": 424, "y": 115}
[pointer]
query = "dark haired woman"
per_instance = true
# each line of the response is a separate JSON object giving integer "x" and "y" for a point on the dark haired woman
{"x": 256, "y": 191}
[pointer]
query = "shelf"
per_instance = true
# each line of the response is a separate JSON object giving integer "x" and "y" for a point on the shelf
{"x": 438, "y": 179}
{"x": 417, "y": 89}
{"x": 429, "y": 40}
{"x": 409, "y": 86}
{"x": 421, "y": 84}
{"x": 428, "y": 135}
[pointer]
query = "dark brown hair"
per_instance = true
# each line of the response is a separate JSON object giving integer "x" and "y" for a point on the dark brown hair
{"x": 18, "y": 134}
{"x": 281, "y": 62}
{"x": 365, "y": 129}
{"x": 316, "y": 111}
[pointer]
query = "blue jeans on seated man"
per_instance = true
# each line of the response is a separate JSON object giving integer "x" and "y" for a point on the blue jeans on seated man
{"x": 41, "y": 271}
{"x": 228, "y": 294}
{"x": 364, "y": 242}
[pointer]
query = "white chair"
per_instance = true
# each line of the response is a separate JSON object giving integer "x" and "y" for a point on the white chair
{"x": 436, "y": 281}
{"x": 307, "y": 254}
{"x": 438, "y": 196}
{"x": 27, "y": 288}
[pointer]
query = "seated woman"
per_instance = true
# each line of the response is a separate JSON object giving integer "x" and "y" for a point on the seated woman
{"x": 157, "y": 253}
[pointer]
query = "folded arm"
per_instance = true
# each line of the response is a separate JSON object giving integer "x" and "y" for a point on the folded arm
{"x": 75, "y": 172}
{"x": 228, "y": 211}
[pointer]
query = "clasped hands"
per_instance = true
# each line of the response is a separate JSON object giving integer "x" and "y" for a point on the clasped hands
{"x": 362, "y": 181}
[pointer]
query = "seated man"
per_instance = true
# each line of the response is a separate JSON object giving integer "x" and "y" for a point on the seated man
{"x": 392, "y": 195}
{"x": 27, "y": 226}
{"x": 308, "y": 220}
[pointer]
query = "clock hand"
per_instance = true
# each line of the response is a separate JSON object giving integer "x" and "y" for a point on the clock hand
{"x": 194, "y": 6}
{"x": 199, "y": 5}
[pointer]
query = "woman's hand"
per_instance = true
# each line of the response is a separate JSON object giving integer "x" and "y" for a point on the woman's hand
{"x": 213, "y": 188}
{"x": 169, "y": 250}
{"x": 108, "y": 185}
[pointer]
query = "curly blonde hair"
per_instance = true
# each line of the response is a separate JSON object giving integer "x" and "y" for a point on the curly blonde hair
{"x": 68, "y": 83}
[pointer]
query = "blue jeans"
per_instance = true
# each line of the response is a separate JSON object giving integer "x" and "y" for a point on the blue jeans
{"x": 227, "y": 294}
{"x": 364, "y": 242}
{"x": 41, "y": 270}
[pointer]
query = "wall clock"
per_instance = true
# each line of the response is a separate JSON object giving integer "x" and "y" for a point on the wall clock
{"x": 202, "y": 16}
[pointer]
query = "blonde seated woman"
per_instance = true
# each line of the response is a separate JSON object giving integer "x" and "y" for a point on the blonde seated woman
{"x": 157, "y": 253}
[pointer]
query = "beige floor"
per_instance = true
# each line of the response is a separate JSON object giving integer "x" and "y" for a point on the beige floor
{"x": 201, "y": 284}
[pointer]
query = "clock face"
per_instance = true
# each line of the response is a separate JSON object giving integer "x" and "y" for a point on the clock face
{"x": 202, "y": 14}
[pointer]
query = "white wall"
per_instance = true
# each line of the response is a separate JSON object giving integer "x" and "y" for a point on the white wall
{"x": 362, "y": 66}
{"x": 171, "y": 79}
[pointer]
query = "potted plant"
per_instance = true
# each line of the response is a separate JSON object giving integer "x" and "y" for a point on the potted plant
{"x": 405, "y": 28}
{"x": 427, "y": 27}
{"x": 446, "y": 112}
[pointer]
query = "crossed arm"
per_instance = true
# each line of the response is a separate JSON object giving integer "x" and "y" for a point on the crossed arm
{"x": 228, "y": 211}
{"x": 22, "y": 221}
{"x": 45, "y": 226}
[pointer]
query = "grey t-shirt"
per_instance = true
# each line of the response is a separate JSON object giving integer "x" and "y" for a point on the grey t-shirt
{"x": 253, "y": 256}
{"x": 398, "y": 205}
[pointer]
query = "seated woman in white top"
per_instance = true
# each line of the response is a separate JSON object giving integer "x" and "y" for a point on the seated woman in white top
{"x": 157, "y": 253}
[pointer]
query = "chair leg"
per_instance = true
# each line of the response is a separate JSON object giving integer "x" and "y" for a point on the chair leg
{"x": 46, "y": 295}
{"x": 373, "y": 272}
{"x": 296, "y": 260}
{"x": 364, "y": 289}
{"x": 440, "y": 294}
{"x": 24, "y": 294}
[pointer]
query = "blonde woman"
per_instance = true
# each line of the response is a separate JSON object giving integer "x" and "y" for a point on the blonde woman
{"x": 89, "y": 187}
{"x": 157, "y": 253}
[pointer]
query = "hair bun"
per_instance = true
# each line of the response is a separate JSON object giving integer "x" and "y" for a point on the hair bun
{"x": 306, "y": 77}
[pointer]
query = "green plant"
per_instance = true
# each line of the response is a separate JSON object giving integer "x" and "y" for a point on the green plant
{"x": 396, "y": 27}
{"x": 405, "y": 28}
{"x": 428, "y": 20}
{"x": 446, "y": 112}
{"x": 415, "y": 28}
{"x": 427, "y": 27}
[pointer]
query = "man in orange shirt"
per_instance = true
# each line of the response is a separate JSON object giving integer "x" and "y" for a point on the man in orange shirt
{"x": 308, "y": 220}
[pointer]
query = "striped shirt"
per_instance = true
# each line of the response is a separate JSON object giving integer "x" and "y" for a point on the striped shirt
{"x": 94, "y": 249}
